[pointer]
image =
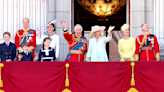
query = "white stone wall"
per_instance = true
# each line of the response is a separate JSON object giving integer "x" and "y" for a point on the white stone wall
{"x": 60, "y": 10}
{"x": 63, "y": 13}
{"x": 39, "y": 12}
{"x": 150, "y": 12}
{"x": 13, "y": 11}
{"x": 137, "y": 16}
{"x": 159, "y": 24}
{"x": 142, "y": 12}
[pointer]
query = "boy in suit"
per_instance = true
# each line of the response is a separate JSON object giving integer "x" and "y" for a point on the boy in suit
{"x": 25, "y": 55}
{"x": 7, "y": 49}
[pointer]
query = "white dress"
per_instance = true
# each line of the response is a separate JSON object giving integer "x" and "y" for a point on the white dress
{"x": 97, "y": 50}
{"x": 54, "y": 42}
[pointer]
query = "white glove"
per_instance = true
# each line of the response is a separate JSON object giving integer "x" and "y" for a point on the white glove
{"x": 30, "y": 49}
{"x": 20, "y": 49}
{"x": 37, "y": 32}
{"x": 88, "y": 59}
{"x": 111, "y": 28}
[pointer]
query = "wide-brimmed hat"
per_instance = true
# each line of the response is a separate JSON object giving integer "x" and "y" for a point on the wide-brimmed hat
{"x": 54, "y": 22}
{"x": 124, "y": 27}
{"x": 97, "y": 28}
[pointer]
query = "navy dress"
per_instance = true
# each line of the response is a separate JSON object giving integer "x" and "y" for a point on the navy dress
{"x": 7, "y": 52}
{"x": 26, "y": 57}
{"x": 47, "y": 55}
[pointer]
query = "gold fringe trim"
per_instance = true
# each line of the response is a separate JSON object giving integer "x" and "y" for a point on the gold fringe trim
{"x": 1, "y": 82}
{"x": 136, "y": 57}
{"x": 132, "y": 89}
{"x": 132, "y": 79}
{"x": 66, "y": 90}
{"x": 67, "y": 79}
{"x": 157, "y": 56}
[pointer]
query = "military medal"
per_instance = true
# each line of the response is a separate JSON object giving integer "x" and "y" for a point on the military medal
{"x": 84, "y": 45}
{"x": 82, "y": 48}
{"x": 30, "y": 37}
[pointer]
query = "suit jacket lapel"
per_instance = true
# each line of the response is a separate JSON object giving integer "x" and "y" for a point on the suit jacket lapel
{"x": 4, "y": 44}
{"x": 9, "y": 44}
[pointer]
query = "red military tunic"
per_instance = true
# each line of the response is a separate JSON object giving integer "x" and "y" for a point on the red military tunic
{"x": 148, "y": 47}
{"x": 77, "y": 47}
{"x": 29, "y": 36}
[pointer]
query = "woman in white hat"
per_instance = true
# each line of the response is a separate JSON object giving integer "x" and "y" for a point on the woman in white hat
{"x": 50, "y": 34}
{"x": 126, "y": 45}
{"x": 96, "y": 50}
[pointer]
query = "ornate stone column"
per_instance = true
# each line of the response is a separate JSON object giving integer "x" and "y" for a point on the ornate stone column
{"x": 159, "y": 24}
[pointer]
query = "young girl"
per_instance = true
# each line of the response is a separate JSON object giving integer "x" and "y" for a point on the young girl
{"x": 46, "y": 53}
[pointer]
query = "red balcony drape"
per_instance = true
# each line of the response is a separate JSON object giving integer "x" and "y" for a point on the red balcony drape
{"x": 83, "y": 77}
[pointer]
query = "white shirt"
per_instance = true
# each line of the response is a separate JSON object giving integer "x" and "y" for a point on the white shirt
{"x": 7, "y": 43}
{"x": 97, "y": 50}
{"x": 54, "y": 42}
{"x": 26, "y": 52}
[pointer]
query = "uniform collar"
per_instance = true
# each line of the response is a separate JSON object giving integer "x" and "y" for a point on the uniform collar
{"x": 26, "y": 52}
{"x": 7, "y": 42}
{"x": 147, "y": 33}
{"x": 26, "y": 29}
{"x": 78, "y": 36}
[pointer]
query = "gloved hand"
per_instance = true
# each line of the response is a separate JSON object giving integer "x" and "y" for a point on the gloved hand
{"x": 111, "y": 28}
{"x": 30, "y": 49}
{"x": 37, "y": 32}
{"x": 20, "y": 49}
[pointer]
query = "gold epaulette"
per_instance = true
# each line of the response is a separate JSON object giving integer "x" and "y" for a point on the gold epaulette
{"x": 18, "y": 34}
{"x": 23, "y": 35}
{"x": 75, "y": 40}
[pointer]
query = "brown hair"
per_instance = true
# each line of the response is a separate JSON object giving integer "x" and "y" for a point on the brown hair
{"x": 25, "y": 44}
{"x": 45, "y": 39}
{"x": 53, "y": 26}
{"x": 6, "y": 33}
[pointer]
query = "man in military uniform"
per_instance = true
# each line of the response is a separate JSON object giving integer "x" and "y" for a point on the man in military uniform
{"x": 7, "y": 49}
{"x": 77, "y": 43}
{"x": 148, "y": 46}
{"x": 26, "y": 35}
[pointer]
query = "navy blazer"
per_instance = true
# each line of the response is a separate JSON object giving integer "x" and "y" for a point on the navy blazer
{"x": 7, "y": 52}
{"x": 26, "y": 57}
{"x": 42, "y": 55}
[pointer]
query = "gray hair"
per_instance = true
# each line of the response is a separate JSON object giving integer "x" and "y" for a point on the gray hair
{"x": 78, "y": 25}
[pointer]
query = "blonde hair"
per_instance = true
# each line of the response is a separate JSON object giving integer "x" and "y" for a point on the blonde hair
{"x": 124, "y": 27}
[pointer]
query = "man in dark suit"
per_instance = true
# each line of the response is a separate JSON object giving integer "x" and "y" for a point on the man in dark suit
{"x": 25, "y": 55}
{"x": 7, "y": 49}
